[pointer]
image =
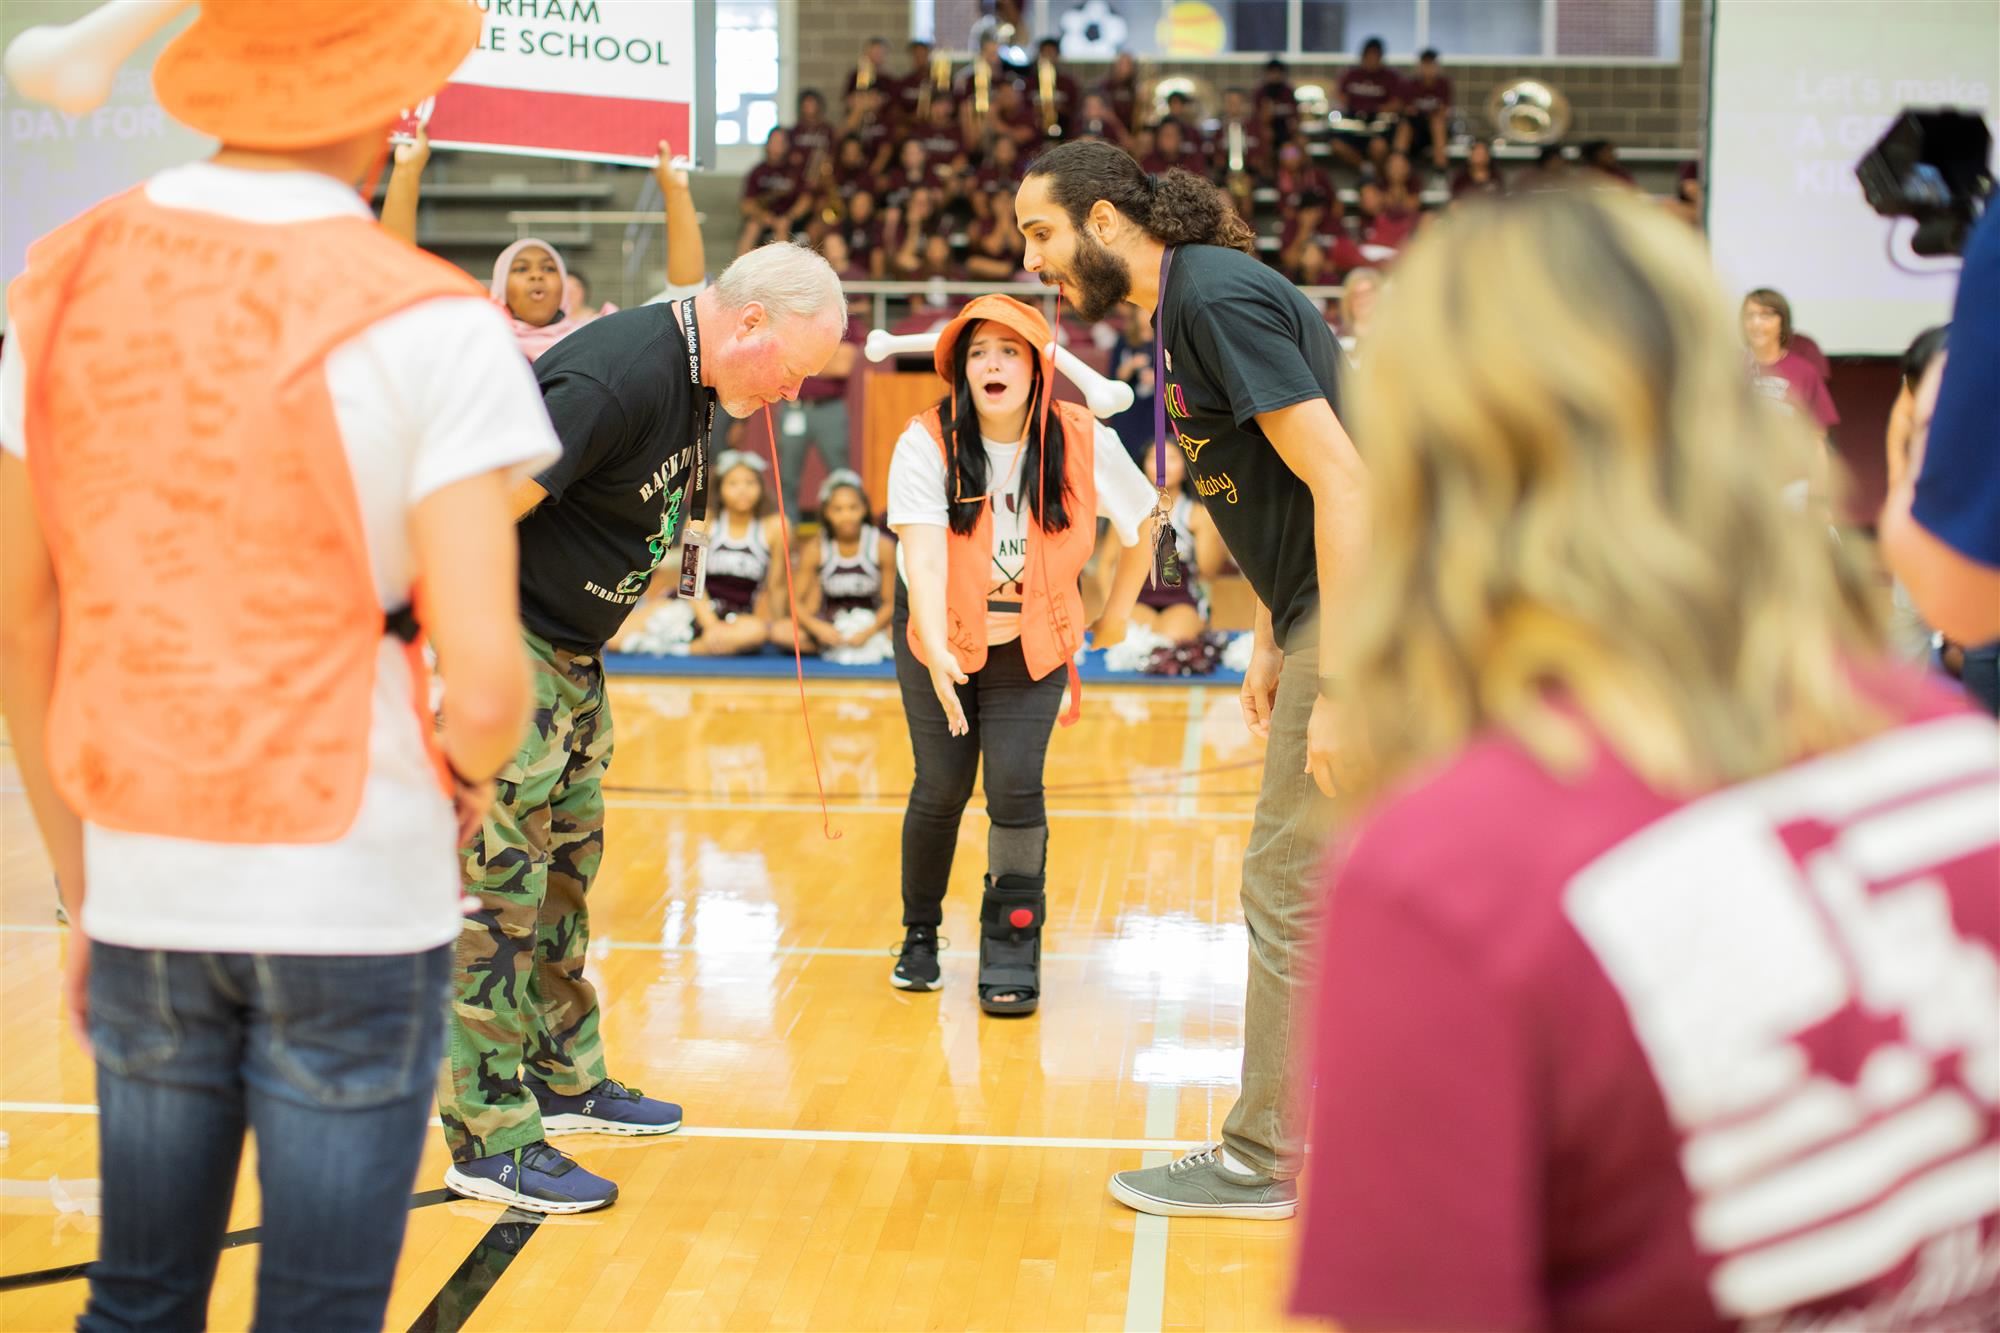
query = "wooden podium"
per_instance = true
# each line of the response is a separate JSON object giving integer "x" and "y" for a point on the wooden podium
{"x": 889, "y": 398}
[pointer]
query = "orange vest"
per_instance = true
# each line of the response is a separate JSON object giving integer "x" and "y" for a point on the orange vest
{"x": 220, "y": 622}
{"x": 1052, "y": 621}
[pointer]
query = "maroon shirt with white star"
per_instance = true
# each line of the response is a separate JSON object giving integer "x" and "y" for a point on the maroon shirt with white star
{"x": 1592, "y": 1056}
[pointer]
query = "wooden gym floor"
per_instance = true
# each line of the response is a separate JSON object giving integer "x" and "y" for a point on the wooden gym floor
{"x": 854, "y": 1157}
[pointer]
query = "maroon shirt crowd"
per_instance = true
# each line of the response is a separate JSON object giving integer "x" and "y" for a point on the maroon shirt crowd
{"x": 916, "y": 171}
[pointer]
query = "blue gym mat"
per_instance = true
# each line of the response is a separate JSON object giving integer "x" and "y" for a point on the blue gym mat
{"x": 772, "y": 663}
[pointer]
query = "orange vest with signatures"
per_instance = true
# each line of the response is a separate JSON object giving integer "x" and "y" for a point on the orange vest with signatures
{"x": 219, "y": 619}
{"x": 1052, "y": 622}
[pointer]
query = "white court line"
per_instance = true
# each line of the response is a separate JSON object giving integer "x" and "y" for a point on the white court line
{"x": 1146, "y": 1289}
{"x": 1190, "y": 752}
{"x": 754, "y": 806}
{"x": 707, "y": 951}
{"x": 813, "y": 951}
{"x": 786, "y": 1135}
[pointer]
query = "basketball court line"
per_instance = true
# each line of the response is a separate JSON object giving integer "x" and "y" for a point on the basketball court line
{"x": 1184, "y": 805}
{"x": 1146, "y": 1285}
{"x": 706, "y": 950}
{"x": 233, "y": 1240}
{"x": 1184, "y": 800}
{"x": 1152, "y": 1142}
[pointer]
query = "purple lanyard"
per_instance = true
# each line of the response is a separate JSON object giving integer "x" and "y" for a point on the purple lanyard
{"x": 1160, "y": 372}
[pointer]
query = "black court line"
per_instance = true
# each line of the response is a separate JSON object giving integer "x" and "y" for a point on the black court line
{"x": 43, "y": 1277}
{"x": 469, "y": 1284}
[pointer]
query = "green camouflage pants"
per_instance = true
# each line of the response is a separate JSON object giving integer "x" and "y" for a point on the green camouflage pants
{"x": 519, "y": 996}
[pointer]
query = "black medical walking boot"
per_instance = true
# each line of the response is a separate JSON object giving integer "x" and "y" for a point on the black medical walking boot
{"x": 1010, "y": 944}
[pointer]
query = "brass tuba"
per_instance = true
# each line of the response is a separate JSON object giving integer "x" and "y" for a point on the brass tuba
{"x": 1528, "y": 111}
{"x": 1199, "y": 91}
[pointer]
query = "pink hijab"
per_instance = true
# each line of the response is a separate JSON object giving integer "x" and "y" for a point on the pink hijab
{"x": 534, "y": 340}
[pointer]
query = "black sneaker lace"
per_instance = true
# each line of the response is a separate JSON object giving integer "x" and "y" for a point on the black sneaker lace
{"x": 617, "y": 1091}
{"x": 541, "y": 1157}
{"x": 919, "y": 943}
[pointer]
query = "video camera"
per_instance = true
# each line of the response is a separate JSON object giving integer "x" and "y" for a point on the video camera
{"x": 1933, "y": 166}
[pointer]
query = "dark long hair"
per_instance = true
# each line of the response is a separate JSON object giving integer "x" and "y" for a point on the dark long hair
{"x": 959, "y": 422}
{"x": 1175, "y": 207}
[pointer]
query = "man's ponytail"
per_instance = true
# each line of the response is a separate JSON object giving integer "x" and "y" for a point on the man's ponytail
{"x": 1176, "y": 207}
{"x": 1187, "y": 210}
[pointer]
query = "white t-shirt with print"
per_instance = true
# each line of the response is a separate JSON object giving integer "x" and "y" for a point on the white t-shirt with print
{"x": 432, "y": 395}
{"x": 917, "y": 495}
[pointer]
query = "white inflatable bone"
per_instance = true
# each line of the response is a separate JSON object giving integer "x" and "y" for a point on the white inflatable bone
{"x": 71, "y": 66}
{"x": 1104, "y": 397}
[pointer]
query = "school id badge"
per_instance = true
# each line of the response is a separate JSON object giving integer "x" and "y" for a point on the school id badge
{"x": 694, "y": 563}
{"x": 1166, "y": 549}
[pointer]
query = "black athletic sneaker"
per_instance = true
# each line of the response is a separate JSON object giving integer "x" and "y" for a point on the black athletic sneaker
{"x": 917, "y": 961}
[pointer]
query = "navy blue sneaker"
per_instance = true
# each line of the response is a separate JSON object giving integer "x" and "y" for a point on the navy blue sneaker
{"x": 608, "y": 1108}
{"x": 537, "y": 1179}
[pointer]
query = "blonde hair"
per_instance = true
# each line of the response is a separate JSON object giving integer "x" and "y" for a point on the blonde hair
{"x": 1576, "y": 510}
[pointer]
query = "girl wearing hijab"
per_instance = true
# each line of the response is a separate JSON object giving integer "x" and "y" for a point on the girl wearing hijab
{"x": 996, "y": 493}
{"x": 531, "y": 283}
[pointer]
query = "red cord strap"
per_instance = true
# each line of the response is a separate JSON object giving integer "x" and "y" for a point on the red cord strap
{"x": 798, "y": 654}
{"x": 1075, "y": 709}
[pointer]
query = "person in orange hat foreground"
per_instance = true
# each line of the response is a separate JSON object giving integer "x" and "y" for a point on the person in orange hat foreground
{"x": 241, "y": 427}
{"x": 996, "y": 493}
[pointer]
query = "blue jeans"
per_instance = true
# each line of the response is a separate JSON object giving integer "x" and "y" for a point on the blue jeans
{"x": 330, "y": 1061}
{"x": 1980, "y": 675}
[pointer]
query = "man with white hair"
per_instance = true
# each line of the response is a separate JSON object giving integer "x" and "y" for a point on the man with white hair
{"x": 632, "y": 397}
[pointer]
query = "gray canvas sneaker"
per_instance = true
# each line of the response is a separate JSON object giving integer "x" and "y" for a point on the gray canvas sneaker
{"x": 1199, "y": 1185}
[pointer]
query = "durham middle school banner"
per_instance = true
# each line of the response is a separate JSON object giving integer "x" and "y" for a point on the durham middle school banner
{"x": 599, "y": 79}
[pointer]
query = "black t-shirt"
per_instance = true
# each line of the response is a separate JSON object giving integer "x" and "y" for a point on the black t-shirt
{"x": 1241, "y": 340}
{"x": 617, "y": 391}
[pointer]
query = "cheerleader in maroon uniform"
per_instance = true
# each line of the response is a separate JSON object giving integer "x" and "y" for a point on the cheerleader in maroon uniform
{"x": 730, "y": 619}
{"x": 840, "y": 573}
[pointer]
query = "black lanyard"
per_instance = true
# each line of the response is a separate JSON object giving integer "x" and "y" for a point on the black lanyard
{"x": 704, "y": 416}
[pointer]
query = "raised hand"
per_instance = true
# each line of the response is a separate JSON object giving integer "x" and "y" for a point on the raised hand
{"x": 414, "y": 153}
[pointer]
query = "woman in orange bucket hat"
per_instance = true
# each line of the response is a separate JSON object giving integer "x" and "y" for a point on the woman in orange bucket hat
{"x": 996, "y": 493}
{"x": 240, "y": 427}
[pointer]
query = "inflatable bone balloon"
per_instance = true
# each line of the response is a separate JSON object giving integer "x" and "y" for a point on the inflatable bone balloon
{"x": 1104, "y": 397}
{"x": 71, "y": 66}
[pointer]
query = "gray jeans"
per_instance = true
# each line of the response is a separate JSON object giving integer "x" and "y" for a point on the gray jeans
{"x": 1266, "y": 1128}
{"x": 826, "y": 428}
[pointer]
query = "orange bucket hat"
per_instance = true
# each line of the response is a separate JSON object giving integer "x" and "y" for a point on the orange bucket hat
{"x": 279, "y": 74}
{"x": 1022, "y": 318}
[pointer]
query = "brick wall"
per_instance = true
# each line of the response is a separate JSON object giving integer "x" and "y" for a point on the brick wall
{"x": 1636, "y": 106}
{"x": 831, "y": 34}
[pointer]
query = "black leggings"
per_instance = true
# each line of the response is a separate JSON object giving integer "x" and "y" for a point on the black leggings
{"x": 1011, "y": 716}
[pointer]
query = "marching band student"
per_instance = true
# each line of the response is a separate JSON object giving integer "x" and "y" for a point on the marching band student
{"x": 995, "y": 494}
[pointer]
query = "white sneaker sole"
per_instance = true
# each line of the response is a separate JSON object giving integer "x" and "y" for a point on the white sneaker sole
{"x": 584, "y": 1124}
{"x": 909, "y": 984}
{"x": 474, "y": 1187}
{"x": 1145, "y": 1203}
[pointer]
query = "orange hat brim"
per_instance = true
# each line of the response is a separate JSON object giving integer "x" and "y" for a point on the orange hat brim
{"x": 1019, "y": 316}
{"x": 307, "y": 87}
